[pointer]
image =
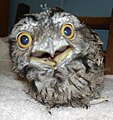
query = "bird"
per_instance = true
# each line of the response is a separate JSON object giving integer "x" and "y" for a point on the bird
{"x": 60, "y": 57}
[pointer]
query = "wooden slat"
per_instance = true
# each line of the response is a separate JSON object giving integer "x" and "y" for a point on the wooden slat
{"x": 21, "y": 10}
{"x": 4, "y": 14}
{"x": 109, "y": 53}
{"x": 96, "y": 22}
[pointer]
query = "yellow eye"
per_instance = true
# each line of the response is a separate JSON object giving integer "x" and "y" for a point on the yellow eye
{"x": 24, "y": 40}
{"x": 67, "y": 31}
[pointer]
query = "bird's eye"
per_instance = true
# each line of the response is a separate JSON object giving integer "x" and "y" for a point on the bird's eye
{"x": 24, "y": 40}
{"x": 67, "y": 31}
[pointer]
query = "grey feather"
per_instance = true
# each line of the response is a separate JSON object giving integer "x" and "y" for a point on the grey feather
{"x": 73, "y": 80}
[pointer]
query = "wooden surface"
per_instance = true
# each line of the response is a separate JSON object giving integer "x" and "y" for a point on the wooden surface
{"x": 96, "y": 22}
{"x": 109, "y": 52}
{"x": 4, "y": 14}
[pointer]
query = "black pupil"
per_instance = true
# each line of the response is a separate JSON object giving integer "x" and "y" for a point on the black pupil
{"x": 67, "y": 31}
{"x": 24, "y": 40}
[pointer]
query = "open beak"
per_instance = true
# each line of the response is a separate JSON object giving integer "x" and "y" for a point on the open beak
{"x": 46, "y": 58}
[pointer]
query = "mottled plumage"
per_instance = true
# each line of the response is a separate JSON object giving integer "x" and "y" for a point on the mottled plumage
{"x": 60, "y": 58}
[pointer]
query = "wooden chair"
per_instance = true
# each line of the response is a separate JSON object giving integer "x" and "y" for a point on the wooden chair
{"x": 104, "y": 23}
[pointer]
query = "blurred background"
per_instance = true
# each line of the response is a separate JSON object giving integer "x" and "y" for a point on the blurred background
{"x": 101, "y": 8}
